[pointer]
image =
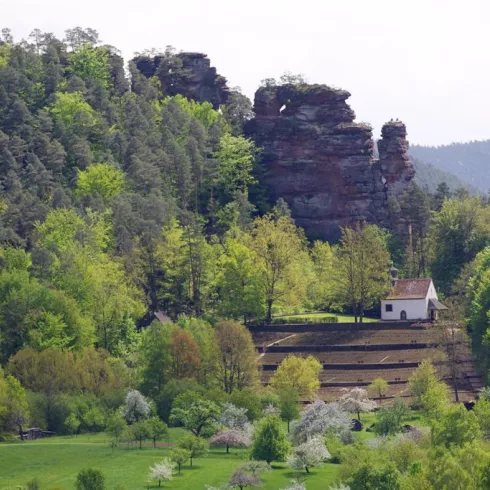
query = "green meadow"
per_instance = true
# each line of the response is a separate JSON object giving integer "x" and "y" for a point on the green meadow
{"x": 56, "y": 462}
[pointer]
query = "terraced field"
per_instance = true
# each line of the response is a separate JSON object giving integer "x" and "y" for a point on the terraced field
{"x": 355, "y": 356}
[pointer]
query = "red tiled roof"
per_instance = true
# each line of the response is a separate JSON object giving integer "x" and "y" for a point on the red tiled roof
{"x": 410, "y": 289}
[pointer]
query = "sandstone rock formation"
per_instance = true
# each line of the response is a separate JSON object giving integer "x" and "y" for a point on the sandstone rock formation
{"x": 189, "y": 74}
{"x": 321, "y": 162}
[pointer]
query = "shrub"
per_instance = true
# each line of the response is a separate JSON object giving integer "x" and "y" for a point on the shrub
{"x": 90, "y": 479}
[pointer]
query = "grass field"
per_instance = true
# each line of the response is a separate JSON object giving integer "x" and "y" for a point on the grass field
{"x": 342, "y": 318}
{"x": 56, "y": 462}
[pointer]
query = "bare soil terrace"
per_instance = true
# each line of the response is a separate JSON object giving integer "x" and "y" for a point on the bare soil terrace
{"x": 355, "y": 356}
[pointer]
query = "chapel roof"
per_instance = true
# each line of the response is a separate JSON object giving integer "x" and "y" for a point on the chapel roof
{"x": 410, "y": 289}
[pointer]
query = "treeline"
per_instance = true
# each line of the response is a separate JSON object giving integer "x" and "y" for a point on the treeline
{"x": 468, "y": 161}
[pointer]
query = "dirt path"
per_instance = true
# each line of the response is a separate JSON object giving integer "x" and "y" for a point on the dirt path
{"x": 275, "y": 343}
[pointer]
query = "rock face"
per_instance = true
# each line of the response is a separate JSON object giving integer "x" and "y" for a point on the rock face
{"x": 189, "y": 74}
{"x": 321, "y": 162}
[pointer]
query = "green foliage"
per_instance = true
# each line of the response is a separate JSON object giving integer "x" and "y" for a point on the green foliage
{"x": 180, "y": 456}
{"x": 237, "y": 361}
{"x": 202, "y": 111}
{"x": 459, "y": 468}
{"x": 289, "y": 404}
{"x": 238, "y": 282}
{"x": 196, "y": 446}
{"x": 304, "y": 319}
{"x": 375, "y": 478}
{"x": 158, "y": 429}
{"x": 116, "y": 425}
{"x": 236, "y": 161}
{"x": 194, "y": 413}
{"x": 389, "y": 419}
{"x": 283, "y": 261}
{"x": 459, "y": 231}
{"x": 247, "y": 398}
{"x": 14, "y": 409}
{"x": 101, "y": 179}
{"x": 299, "y": 373}
{"x": 482, "y": 413}
{"x": 89, "y": 62}
{"x": 270, "y": 440}
{"x": 362, "y": 268}
{"x": 90, "y": 479}
{"x": 71, "y": 110}
{"x": 456, "y": 427}
{"x": 5, "y": 50}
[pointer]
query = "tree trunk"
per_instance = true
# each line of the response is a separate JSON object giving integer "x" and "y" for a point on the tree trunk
{"x": 191, "y": 462}
{"x": 359, "y": 416}
{"x": 307, "y": 469}
{"x": 141, "y": 441}
{"x": 288, "y": 426}
{"x": 269, "y": 311}
{"x": 227, "y": 449}
{"x": 455, "y": 384}
{"x": 154, "y": 442}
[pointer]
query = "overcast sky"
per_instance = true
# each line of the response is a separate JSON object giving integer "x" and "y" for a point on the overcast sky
{"x": 426, "y": 62}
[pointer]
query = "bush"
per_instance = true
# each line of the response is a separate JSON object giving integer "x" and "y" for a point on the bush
{"x": 90, "y": 479}
{"x": 33, "y": 484}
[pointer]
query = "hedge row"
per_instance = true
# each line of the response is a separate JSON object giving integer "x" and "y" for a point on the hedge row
{"x": 300, "y": 320}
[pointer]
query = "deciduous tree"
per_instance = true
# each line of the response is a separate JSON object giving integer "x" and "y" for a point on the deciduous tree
{"x": 357, "y": 401}
{"x": 237, "y": 368}
{"x": 180, "y": 456}
{"x": 230, "y": 438}
{"x": 299, "y": 373}
{"x": 362, "y": 268}
{"x": 311, "y": 453}
{"x": 270, "y": 441}
{"x": 281, "y": 250}
{"x": 162, "y": 471}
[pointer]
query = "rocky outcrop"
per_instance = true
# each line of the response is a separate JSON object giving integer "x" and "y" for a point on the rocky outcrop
{"x": 396, "y": 167}
{"x": 189, "y": 74}
{"x": 321, "y": 162}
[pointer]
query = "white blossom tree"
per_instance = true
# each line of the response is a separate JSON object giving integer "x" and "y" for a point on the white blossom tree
{"x": 162, "y": 471}
{"x": 319, "y": 419}
{"x": 311, "y": 453}
{"x": 136, "y": 407}
{"x": 256, "y": 467}
{"x": 356, "y": 400}
{"x": 241, "y": 479}
{"x": 230, "y": 438}
{"x": 234, "y": 417}
{"x": 271, "y": 410}
{"x": 295, "y": 485}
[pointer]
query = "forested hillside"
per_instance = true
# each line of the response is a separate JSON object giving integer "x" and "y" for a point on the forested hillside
{"x": 428, "y": 176}
{"x": 468, "y": 161}
{"x": 139, "y": 247}
{"x": 119, "y": 201}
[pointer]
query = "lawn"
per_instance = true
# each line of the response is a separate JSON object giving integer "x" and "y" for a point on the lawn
{"x": 342, "y": 318}
{"x": 56, "y": 462}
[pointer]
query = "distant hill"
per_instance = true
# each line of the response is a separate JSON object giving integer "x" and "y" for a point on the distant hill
{"x": 468, "y": 161}
{"x": 428, "y": 177}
